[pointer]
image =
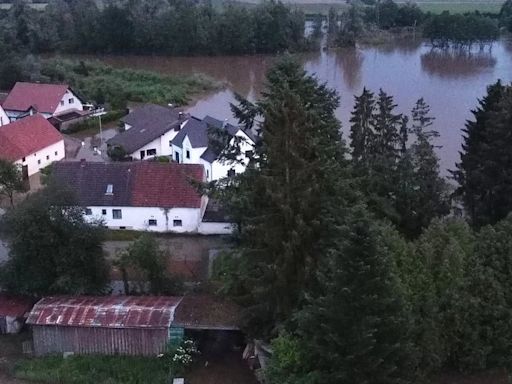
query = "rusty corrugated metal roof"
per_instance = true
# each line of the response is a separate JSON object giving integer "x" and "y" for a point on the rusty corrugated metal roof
{"x": 105, "y": 311}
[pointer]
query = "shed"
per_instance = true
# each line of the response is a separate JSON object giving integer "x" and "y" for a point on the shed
{"x": 13, "y": 311}
{"x": 109, "y": 325}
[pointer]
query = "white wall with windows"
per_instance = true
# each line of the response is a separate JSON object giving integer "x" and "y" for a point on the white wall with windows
{"x": 179, "y": 220}
{"x": 41, "y": 159}
{"x": 161, "y": 146}
{"x": 69, "y": 101}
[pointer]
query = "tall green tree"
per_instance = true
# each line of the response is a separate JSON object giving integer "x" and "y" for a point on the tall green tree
{"x": 52, "y": 249}
{"x": 296, "y": 194}
{"x": 485, "y": 171}
{"x": 354, "y": 328}
{"x": 11, "y": 180}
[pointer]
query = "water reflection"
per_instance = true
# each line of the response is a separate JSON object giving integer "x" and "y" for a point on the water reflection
{"x": 456, "y": 64}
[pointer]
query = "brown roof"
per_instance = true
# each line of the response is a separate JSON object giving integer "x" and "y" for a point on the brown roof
{"x": 14, "y": 306}
{"x": 207, "y": 312}
{"x": 45, "y": 98}
{"x": 27, "y": 136}
{"x": 136, "y": 184}
{"x": 105, "y": 311}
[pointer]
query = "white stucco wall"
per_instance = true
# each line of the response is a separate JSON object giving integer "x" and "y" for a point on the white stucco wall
{"x": 137, "y": 218}
{"x": 36, "y": 161}
{"x": 216, "y": 228}
{"x": 220, "y": 169}
{"x": 4, "y": 119}
{"x": 162, "y": 145}
{"x": 65, "y": 105}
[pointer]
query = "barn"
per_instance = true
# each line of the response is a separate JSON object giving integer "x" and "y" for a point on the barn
{"x": 108, "y": 325}
{"x": 13, "y": 310}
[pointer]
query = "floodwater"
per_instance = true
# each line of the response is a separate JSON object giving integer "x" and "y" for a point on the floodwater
{"x": 450, "y": 82}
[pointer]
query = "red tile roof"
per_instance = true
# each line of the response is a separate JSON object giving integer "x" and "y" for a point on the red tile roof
{"x": 105, "y": 311}
{"x": 14, "y": 306}
{"x": 166, "y": 185}
{"x": 27, "y": 136}
{"x": 45, "y": 98}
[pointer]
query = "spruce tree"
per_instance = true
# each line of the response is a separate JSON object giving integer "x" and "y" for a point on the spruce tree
{"x": 295, "y": 197}
{"x": 424, "y": 192}
{"x": 355, "y": 328}
{"x": 485, "y": 171}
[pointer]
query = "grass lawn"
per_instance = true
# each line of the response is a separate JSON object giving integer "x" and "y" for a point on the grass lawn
{"x": 93, "y": 370}
{"x": 460, "y": 7}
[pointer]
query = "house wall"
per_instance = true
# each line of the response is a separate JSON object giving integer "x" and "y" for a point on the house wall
{"x": 4, "y": 119}
{"x": 220, "y": 169}
{"x": 162, "y": 145}
{"x": 12, "y": 325}
{"x": 97, "y": 340}
{"x": 36, "y": 161}
{"x": 65, "y": 105}
{"x": 207, "y": 228}
{"x": 137, "y": 218}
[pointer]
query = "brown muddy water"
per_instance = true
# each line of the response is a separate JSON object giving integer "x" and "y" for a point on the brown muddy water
{"x": 450, "y": 82}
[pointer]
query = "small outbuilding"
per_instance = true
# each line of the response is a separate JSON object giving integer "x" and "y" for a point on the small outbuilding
{"x": 109, "y": 325}
{"x": 13, "y": 312}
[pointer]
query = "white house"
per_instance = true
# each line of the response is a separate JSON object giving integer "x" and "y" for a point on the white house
{"x": 49, "y": 100}
{"x": 31, "y": 142}
{"x": 4, "y": 119}
{"x": 193, "y": 145}
{"x": 139, "y": 196}
{"x": 149, "y": 131}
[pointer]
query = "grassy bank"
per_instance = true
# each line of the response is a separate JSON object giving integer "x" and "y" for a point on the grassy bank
{"x": 103, "y": 83}
{"x": 93, "y": 370}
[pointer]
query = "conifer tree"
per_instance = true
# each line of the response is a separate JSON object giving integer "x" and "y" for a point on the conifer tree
{"x": 485, "y": 171}
{"x": 295, "y": 197}
{"x": 355, "y": 329}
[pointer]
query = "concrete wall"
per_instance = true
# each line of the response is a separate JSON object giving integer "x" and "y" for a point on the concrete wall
{"x": 97, "y": 340}
{"x": 137, "y": 218}
{"x": 38, "y": 160}
{"x": 215, "y": 228}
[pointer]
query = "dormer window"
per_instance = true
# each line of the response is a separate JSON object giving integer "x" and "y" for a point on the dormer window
{"x": 62, "y": 102}
{"x": 110, "y": 189}
{"x": 71, "y": 101}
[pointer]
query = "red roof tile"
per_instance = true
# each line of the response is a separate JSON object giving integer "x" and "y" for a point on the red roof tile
{"x": 45, "y": 98}
{"x": 26, "y": 136}
{"x": 14, "y": 306}
{"x": 166, "y": 185}
{"x": 105, "y": 311}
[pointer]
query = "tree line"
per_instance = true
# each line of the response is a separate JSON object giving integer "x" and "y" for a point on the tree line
{"x": 172, "y": 27}
{"x": 349, "y": 258}
{"x": 444, "y": 30}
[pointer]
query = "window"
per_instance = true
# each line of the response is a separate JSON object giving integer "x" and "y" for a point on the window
{"x": 110, "y": 189}
{"x": 88, "y": 211}
{"x": 170, "y": 143}
{"x": 207, "y": 174}
{"x": 71, "y": 101}
{"x": 231, "y": 173}
{"x": 103, "y": 211}
{"x": 62, "y": 102}
{"x": 177, "y": 223}
{"x": 23, "y": 159}
{"x": 117, "y": 214}
{"x": 152, "y": 222}
{"x": 151, "y": 152}
{"x": 39, "y": 161}
{"x": 249, "y": 153}
{"x": 56, "y": 153}
{"x": 47, "y": 157}
{"x": 188, "y": 154}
